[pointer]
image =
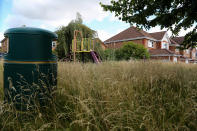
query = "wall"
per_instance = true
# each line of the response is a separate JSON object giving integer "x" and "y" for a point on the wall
{"x": 185, "y": 54}
{"x": 193, "y": 54}
{"x": 166, "y": 58}
{"x": 103, "y": 46}
{"x": 158, "y": 45}
{"x": 142, "y": 41}
{"x": 160, "y": 58}
{"x": 172, "y": 48}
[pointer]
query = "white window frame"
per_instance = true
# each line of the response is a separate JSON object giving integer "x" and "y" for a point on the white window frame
{"x": 150, "y": 44}
{"x": 175, "y": 59}
{"x": 193, "y": 54}
{"x": 176, "y": 50}
{"x": 164, "y": 45}
{"x": 53, "y": 44}
{"x": 187, "y": 51}
{"x": 186, "y": 61}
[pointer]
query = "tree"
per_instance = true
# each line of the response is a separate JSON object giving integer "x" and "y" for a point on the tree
{"x": 171, "y": 14}
{"x": 79, "y": 19}
{"x": 66, "y": 35}
{"x": 131, "y": 50}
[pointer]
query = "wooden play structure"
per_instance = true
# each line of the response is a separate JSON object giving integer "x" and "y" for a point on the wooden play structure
{"x": 84, "y": 45}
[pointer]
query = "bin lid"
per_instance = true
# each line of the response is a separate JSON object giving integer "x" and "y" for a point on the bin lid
{"x": 31, "y": 31}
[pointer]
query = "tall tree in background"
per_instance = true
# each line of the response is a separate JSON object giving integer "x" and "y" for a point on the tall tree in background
{"x": 171, "y": 14}
{"x": 66, "y": 35}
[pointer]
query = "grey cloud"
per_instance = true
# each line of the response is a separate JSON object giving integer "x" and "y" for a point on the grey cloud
{"x": 56, "y": 9}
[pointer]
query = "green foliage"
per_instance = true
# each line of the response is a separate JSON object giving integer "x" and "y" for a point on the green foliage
{"x": 109, "y": 54}
{"x": 105, "y": 54}
{"x": 171, "y": 14}
{"x": 130, "y": 50}
{"x": 60, "y": 51}
{"x": 66, "y": 35}
{"x": 190, "y": 40}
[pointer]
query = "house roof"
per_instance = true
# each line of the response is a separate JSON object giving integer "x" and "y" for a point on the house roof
{"x": 161, "y": 52}
{"x": 173, "y": 43}
{"x": 158, "y": 35}
{"x": 129, "y": 34}
{"x": 178, "y": 40}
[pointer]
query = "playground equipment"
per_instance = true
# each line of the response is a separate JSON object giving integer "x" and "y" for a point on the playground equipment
{"x": 84, "y": 45}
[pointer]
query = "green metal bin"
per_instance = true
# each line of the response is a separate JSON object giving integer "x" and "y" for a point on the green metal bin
{"x": 30, "y": 68}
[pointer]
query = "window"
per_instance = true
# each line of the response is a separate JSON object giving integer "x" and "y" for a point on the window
{"x": 194, "y": 54}
{"x": 150, "y": 44}
{"x": 53, "y": 44}
{"x": 187, "y": 51}
{"x": 164, "y": 45}
{"x": 186, "y": 61}
{"x": 177, "y": 50}
{"x": 175, "y": 59}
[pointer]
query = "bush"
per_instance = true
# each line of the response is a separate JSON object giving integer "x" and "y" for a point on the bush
{"x": 109, "y": 55}
{"x": 105, "y": 54}
{"x": 131, "y": 50}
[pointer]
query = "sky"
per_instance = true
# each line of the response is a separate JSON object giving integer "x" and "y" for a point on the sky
{"x": 51, "y": 14}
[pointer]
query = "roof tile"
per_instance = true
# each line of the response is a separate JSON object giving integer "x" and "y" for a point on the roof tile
{"x": 158, "y": 35}
{"x": 160, "y": 52}
{"x": 178, "y": 40}
{"x": 129, "y": 33}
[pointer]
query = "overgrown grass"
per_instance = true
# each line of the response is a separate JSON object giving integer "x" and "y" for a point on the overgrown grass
{"x": 114, "y": 96}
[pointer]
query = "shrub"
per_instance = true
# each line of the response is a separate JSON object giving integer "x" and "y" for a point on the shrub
{"x": 109, "y": 55}
{"x": 131, "y": 50}
{"x": 105, "y": 54}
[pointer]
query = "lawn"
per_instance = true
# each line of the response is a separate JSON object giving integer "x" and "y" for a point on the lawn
{"x": 114, "y": 96}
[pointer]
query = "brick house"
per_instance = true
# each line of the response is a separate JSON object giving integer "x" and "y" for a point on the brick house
{"x": 188, "y": 55}
{"x": 4, "y": 47}
{"x": 131, "y": 34}
{"x": 163, "y": 48}
{"x": 159, "y": 44}
{"x": 54, "y": 45}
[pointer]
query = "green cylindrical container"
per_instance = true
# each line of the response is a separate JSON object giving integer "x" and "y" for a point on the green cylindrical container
{"x": 30, "y": 68}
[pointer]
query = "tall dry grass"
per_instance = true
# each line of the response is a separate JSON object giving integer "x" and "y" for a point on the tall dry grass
{"x": 115, "y": 96}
